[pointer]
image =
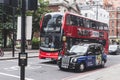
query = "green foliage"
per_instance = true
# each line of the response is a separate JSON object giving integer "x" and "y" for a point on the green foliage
{"x": 35, "y": 40}
{"x": 35, "y": 43}
{"x": 37, "y": 14}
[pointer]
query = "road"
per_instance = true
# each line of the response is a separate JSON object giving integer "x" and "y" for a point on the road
{"x": 44, "y": 69}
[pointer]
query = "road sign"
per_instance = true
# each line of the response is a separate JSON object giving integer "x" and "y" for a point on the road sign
{"x": 22, "y": 59}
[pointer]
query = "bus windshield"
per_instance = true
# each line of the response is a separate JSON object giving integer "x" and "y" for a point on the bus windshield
{"x": 50, "y": 42}
{"x": 51, "y": 23}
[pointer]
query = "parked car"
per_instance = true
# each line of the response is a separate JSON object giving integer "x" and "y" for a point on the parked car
{"x": 114, "y": 49}
{"x": 83, "y": 56}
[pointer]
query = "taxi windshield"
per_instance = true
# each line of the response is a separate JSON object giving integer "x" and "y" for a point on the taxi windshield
{"x": 79, "y": 49}
{"x": 113, "y": 47}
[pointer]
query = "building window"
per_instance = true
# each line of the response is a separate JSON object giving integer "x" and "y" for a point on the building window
{"x": 112, "y": 32}
{"x": 119, "y": 15}
{"x": 86, "y": 15}
{"x": 112, "y": 24}
{"x": 112, "y": 15}
{"x": 118, "y": 23}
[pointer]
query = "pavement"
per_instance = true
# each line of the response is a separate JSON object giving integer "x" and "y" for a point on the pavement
{"x": 111, "y": 73}
{"x": 9, "y": 54}
{"x": 107, "y": 73}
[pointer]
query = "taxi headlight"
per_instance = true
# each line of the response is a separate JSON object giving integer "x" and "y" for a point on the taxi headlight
{"x": 59, "y": 57}
{"x": 73, "y": 60}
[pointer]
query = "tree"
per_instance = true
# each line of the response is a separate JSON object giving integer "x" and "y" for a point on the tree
{"x": 37, "y": 14}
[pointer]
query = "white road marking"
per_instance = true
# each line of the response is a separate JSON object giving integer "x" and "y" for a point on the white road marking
{"x": 14, "y": 76}
{"x": 29, "y": 67}
{"x": 49, "y": 65}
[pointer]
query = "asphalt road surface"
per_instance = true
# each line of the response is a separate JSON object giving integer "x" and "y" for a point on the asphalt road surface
{"x": 44, "y": 69}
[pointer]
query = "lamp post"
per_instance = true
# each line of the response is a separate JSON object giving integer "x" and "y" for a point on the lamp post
{"x": 95, "y": 3}
{"x": 23, "y": 56}
{"x": 13, "y": 41}
{"x": 97, "y": 11}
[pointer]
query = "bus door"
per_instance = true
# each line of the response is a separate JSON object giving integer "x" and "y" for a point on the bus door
{"x": 91, "y": 56}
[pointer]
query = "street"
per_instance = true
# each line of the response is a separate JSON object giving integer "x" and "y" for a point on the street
{"x": 44, "y": 69}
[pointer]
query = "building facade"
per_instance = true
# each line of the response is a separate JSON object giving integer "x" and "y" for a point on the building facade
{"x": 95, "y": 10}
{"x": 64, "y": 5}
{"x": 88, "y": 8}
{"x": 113, "y": 7}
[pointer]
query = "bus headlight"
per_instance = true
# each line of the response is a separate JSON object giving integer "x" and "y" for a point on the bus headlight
{"x": 64, "y": 38}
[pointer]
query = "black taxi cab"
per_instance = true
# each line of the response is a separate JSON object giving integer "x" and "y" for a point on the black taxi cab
{"x": 82, "y": 56}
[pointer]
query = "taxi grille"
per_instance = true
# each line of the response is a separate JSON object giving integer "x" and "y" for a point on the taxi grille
{"x": 65, "y": 60}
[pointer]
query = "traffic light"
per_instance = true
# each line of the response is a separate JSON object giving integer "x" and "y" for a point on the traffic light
{"x": 13, "y": 3}
{"x": 31, "y": 4}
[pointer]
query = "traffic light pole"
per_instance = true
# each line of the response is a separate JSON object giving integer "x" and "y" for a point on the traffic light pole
{"x": 13, "y": 41}
{"x": 23, "y": 55}
{"x": 23, "y": 38}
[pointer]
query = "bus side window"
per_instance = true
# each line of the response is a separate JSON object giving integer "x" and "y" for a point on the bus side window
{"x": 74, "y": 20}
{"x": 80, "y": 22}
{"x": 101, "y": 26}
{"x": 93, "y": 25}
{"x": 105, "y": 27}
{"x": 58, "y": 20}
{"x": 98, "y": 26}
{"x": 68, "y": 20}
{"x": 84, "y": 22}
{"x": 87, "y": 24}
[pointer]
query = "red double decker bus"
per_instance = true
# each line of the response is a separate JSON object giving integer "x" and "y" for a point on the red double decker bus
{"x": 58, "y": 32}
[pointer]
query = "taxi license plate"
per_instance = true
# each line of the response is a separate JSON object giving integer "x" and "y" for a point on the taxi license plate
{"x": 65, "y": 66}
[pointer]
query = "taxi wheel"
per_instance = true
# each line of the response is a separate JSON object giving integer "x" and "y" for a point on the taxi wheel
{"x": 59, "y": 65}
{"x": 81, "y": 67}
{"x": 103, "y": 64}
{"x": 117, "y": 53}
{"x": 60, "y": 68}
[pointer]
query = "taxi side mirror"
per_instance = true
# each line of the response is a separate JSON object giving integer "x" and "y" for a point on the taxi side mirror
{"x": 89, "y": 53}
{"x": 67, "y": 52}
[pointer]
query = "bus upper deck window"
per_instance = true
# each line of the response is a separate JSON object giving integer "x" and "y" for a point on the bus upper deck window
{"x": 68, "y": 20}
{"x": 58, "y": 20}
{"x": 87, "y": 24}
{"x": 105, "y": 27}
{"x": 80, "y": 22}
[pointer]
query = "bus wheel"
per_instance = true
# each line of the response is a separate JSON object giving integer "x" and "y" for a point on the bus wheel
{"x": 81, "y": 67}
